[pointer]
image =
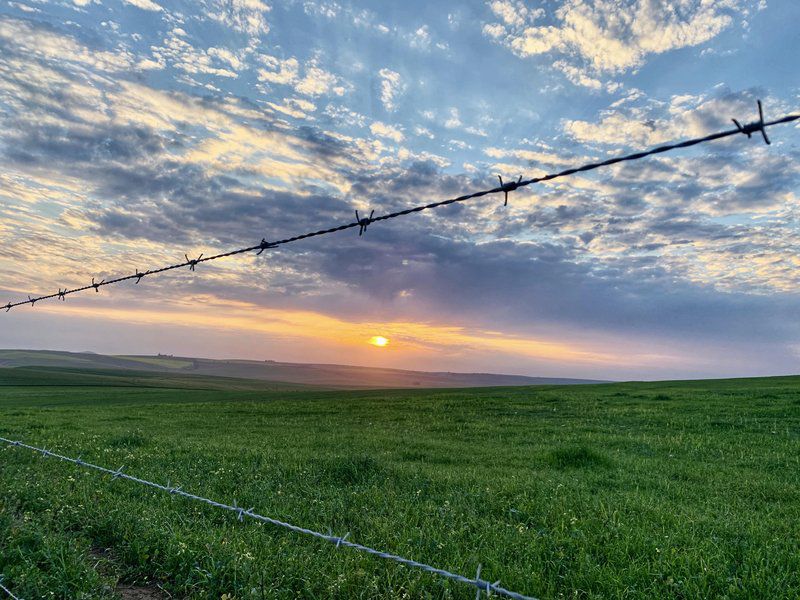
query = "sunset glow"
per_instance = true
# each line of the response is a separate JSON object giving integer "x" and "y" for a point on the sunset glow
{"x": 378, "y": 340}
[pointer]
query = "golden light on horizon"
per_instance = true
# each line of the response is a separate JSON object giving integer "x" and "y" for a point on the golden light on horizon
{"x": 421, "y": 340}
{"x": 378, "y": 340}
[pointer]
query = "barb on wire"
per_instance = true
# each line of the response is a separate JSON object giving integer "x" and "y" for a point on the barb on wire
{"x": 505, "y": 187}
{"x": 759, "y": 125}
{"x": 264, "y": 245}
{"x": 96, "y": 286}
{"x": 192, "y": 262}
{"x": 363, "y": 223}
{"x": 6, "y": 590}
{"x": 487, "y": 589}
{"x": 509, "y": 187}
{"x": 480, "y": 584}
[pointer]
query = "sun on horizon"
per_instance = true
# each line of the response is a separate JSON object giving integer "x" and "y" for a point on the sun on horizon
{"x": 379, "y": 340}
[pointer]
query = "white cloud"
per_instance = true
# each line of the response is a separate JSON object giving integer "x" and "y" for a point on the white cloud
{"x": 391, "y": 87}
{"x": 279, "y": 71}
{"x": 454, "y": 121}
{"x": 421, "y": 38}
{"x": 387, "y": 131}
{"x": 639, "y": 122}
{"x": 514, "y": 13}
{"x": 318, "y": 81}
{"x": 528, "y": 156}
{"x": 329, "y": 10}
{"x": 25, "y": 7}
{"x": 476, "y": 131}
{"x": 494, "y": 30}
{"x": 227, "y": 56}
{"x": 182, "y": 55}
{"x": 148, "y": 64}
{"x": 294, "y": 107}
{"x": 577, "y": 75}
{"x": 49, "y": 45}
{"x": 315, "y": 81}
{"x": 609, "y": 37}
{"x": 246, "y": 16}
{"x": 345, "y": 115}
{"x": 301, "y": 104}
{"x": 144, "y": 4}
{"x": 423, "y": 132}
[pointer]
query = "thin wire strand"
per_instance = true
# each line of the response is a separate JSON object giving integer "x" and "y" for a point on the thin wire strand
{"x": 362, "y": 223}
{"x": 480, "y": 584}
{"x": 8, "y": 591}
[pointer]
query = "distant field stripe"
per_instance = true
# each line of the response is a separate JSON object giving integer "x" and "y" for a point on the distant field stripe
{"x": 481, "y": 584}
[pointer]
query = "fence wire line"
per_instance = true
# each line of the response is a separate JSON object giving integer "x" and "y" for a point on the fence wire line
{"x": 482, "y": 585}
{"x": 362, "y": 223}
{"x": 8, "y": 591}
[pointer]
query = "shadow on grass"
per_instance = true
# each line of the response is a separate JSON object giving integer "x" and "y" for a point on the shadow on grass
{"x": 132, "y": 439}
{"x": 578, "y": 457}
{"x": 347, "y": 470}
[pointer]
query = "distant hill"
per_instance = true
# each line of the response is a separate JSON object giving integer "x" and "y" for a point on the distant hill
{"x": 64, "y": 377}
{"x": 319, "y": 375}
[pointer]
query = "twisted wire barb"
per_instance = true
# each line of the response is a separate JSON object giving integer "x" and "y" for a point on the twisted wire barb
{"x": 362, "y": 222}
{"x": 481, "y": 584}
{"x": 8, "y": 591}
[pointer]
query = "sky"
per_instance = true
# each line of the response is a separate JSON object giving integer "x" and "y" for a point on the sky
{"x": 133, "y": 132}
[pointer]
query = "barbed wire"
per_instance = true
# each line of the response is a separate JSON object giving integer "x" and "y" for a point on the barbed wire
{"x": 363, "y": 222}
{"x": 7, "y": 591}
{"x": 482, "y": 585}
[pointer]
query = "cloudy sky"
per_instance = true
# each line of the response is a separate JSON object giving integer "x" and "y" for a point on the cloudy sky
{"x": 135, "y": 131}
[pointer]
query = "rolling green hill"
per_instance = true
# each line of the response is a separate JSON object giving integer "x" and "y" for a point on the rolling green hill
{"x": 328, "y": 376}
{"x": 118, "y": 378}
{"x": 638, "y": 490}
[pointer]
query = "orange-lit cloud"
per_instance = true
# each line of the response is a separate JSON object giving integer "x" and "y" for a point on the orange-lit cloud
{"x": 409, "y": 339}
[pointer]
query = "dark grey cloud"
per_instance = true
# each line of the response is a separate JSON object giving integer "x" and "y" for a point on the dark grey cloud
{"x": 524, "y": 286}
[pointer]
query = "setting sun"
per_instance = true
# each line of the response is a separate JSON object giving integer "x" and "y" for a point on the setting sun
{"x": 378, "y": 340}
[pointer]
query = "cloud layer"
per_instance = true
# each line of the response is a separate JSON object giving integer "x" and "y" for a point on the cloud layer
{"x": 122, "y": 152}
{"x": 599, "y": 38}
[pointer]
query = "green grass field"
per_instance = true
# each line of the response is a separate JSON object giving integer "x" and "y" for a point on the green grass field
{"x": 668, "y": 490}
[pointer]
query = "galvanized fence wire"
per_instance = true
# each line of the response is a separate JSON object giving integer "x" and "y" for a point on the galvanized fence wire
{"x": 7, "y": 591}
{"x": 482, "y": 585}
{"x": 759, "y": 126}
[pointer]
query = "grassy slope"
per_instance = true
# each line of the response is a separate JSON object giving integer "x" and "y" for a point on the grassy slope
{"x": 69, "y": 379}
{"x": 686, "y": 489}
{"x": 329, "y": 376}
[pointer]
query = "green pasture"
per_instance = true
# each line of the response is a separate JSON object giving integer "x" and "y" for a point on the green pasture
{"x": 662, "y": 490}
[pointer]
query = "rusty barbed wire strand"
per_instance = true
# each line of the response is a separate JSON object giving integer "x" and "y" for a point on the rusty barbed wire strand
{"x": 482, "y": 585}
{"x": 759, "y": 126}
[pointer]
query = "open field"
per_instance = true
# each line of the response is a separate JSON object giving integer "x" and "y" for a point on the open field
{"x": 680, "y": 490}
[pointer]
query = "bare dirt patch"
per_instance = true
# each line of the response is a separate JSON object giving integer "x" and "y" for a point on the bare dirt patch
{"x": 105, "y": 564}
{"x": 133, "y": 592}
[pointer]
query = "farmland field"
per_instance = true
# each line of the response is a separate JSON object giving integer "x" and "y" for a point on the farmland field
{"x": 639, "y": 490}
